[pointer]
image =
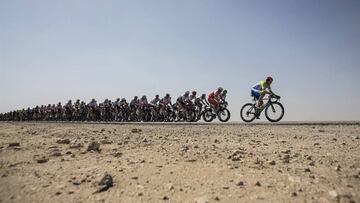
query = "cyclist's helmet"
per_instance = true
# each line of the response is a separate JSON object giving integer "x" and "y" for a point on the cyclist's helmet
{"x": 220, "y": 89}
{"x": 187, "y": 93}
{"x": 269, "y": 79}
{"x": 203, "y": 96}
{"x": 193, "y": 93}
{"x": 157, "y": 96}
{"x": 167, "y": 95}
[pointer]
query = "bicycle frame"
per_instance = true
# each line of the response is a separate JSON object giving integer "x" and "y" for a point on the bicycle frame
{"x": 268, "y": 103}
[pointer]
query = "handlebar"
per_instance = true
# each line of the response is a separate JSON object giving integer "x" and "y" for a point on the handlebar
{"x": 275, "y": 96}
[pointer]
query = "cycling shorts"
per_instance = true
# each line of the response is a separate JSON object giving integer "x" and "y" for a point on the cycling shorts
{"x": 255, "y": 94}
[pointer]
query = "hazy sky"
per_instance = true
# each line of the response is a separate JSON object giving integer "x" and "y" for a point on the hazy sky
{"x": 53, "y": 51}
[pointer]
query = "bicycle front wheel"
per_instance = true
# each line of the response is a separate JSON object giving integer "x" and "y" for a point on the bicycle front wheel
{"x": 247, "y": 112}
{"x": 223, "y": 115}
{"x": 274, "y": 112}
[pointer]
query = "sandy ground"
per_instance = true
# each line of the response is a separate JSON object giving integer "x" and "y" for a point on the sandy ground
{"x": 42, "y": 162}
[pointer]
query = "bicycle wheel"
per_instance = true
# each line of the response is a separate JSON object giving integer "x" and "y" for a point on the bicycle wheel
{"x": 208, "y": 116}
{"x": 274, "y": 112}
{"x": 247, "y": 112}
{"x": 223, "y": 115}
{"x": 190, "y": 116}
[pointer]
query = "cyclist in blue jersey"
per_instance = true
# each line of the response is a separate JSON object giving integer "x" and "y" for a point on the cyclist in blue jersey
{"x": 261, "y": 89}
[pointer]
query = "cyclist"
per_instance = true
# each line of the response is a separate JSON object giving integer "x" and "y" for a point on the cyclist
{"x": 155, "y": 101}
{"x": 261, "y": 89}
{"x": 182, "y": 101}
{"x": 223, "y": 96}
{"x": 215, "y": 97}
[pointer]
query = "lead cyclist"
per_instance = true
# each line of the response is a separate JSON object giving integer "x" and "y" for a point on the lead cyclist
{"x": 261, "y": 89}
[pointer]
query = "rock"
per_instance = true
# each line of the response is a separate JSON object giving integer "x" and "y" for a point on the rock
{"x": 105, "y": 183}
{"x": 240, "y": 183}
{"x": 105, "y": 141}
{"x": 13, "y": 165}
{"x": 14, "y": 144}
{"x": 312, "y": 163}
{"x": 184, "y": 148}
{"x": 237, "y": 155}
{"x": 134, "y": 130}
{"x": 216, "y": 141}
{"x": 294, "y": 194}
{"x": 134, "y": 177}
{"x": 76, "y": 182}
{"x": 16, "y": 148}
{"x": 217, "y": 198}
{"x": 118, "y": 154}
{"x": 63, "y": 141}
{"x": 307, "y": 170}
{"x": 258, "y": 161}
{"x": 286, "y": 151}
{"x": 191, "y": 160}
{"x": 56, "y": 153}
{"x": 286, "y": 159}
{"x": 58, "y": 193}
{"x": 94, "y": 146}
{"x": 170, "y": 186}
{"x": 333, "y": 194}
{"x": 42, "y": 160}
{"x": 272, "y": 163}
{"x": 202, "y": 199}
{"x": 165, "y": 198}
{"x": 338, "y": 168}
{"x": 258, "y": 183}
{"x": 75, "y": 145}
{"x": 226, "y": 187}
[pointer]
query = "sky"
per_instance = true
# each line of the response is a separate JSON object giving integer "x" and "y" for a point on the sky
{"x": 53, "y": 51}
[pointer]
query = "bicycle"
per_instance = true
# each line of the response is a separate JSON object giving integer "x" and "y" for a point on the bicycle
{"x": 222, "y": 113}
{"x": 274, "y": 110}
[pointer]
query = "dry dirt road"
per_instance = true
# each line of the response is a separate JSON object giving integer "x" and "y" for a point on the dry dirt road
{"x": 52, "y": 162}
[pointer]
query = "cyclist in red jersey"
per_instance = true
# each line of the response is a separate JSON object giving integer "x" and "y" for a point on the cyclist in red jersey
{"x": 214, "y": 97}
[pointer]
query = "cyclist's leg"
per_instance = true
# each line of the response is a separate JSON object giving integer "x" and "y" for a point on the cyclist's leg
{"x": 257, "y": 95}
{"x": 261, "y": 102}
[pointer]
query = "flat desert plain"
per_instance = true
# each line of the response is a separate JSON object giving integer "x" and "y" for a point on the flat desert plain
{"x": 65, "y": 162}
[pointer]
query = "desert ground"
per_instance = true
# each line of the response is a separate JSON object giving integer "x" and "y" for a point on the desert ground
{"x": 65, "y": 162}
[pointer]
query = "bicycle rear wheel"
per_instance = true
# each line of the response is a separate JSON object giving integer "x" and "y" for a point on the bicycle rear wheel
{"x": 274, "y": 112}
{"x": 247, "y": 112}
{"x": 208, "y": 116}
